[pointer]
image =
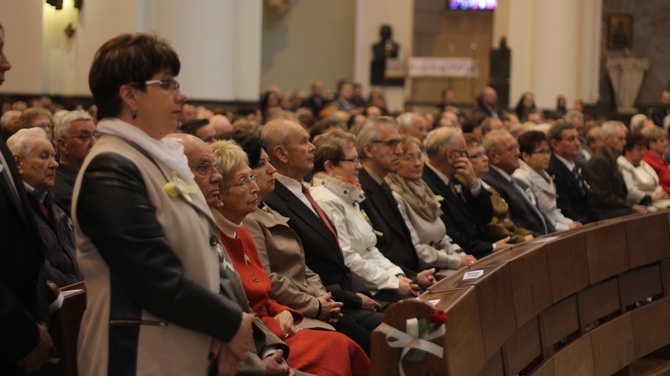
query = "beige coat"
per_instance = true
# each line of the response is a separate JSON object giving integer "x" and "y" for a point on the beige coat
{"x": 282, "y": 255}
{"x": 163, "y": 348}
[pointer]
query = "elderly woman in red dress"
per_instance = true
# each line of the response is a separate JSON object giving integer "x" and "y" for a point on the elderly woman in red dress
{"x": 313, "y": 351}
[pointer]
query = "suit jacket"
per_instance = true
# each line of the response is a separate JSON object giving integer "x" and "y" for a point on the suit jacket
{"x": 57, "y": 236}
{"x": 572, "y": 202}
{"x": 322, "y": 251}
{"x": 465, "y": 221}
{"x": 608, "y": 185}
{"x": 395, "y": 241}
{"x": 66, "y": 176}
{"x": 521, "y": 209}
{"x": 22, "y": 293}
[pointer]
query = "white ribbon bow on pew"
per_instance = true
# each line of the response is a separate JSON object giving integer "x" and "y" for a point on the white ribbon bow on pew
{"x": 411, "y": 340}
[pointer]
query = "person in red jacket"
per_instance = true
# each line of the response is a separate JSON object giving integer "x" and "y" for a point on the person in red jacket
{"x": 657, "y": 145}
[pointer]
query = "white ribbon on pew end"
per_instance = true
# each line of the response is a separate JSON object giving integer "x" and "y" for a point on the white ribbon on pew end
{"x": 411, "y": 340}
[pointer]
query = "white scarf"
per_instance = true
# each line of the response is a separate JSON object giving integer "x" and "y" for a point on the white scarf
{"x": 168, "y": 152}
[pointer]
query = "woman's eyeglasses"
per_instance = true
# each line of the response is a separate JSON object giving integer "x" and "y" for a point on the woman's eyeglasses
{"x": 164, "y": 84}
{"x": 245, "y": 182}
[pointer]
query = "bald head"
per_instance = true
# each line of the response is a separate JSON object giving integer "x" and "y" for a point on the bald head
{"x": 200, "y": 160}
{"x": 289, "y": 148}
{"x": 222, "y": 126}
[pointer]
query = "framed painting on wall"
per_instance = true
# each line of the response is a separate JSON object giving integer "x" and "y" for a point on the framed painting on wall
{"x": 619, "y": 31}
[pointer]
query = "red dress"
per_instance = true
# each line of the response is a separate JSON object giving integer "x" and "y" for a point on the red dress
{"x": 313, "y": 351}
{"x": 661, "y": 167}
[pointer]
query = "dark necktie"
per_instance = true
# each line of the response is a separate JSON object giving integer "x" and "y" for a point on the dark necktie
{"x": 44, "y": 211}
{"x": 455, "y": 190}
{"x": 320, "y": 213}
{"x": 580, "y": 183}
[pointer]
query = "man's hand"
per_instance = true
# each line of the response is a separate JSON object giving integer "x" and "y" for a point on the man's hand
{"x": 330, "y": 309}
{"x": 467, "y": 260}
{"x": 285, "y": 320}
{"x": 574, "y": 224}
{"x": 276, "y": 365}
{"x": 464, "y": 169}
{"x": 369, "y": 304}
{"x": 503, "y": 243}
{"x": 529, "y": 237}
{"x": 239, "y": 345}
{"x": 407, "y": 287}
{"x": 425, "y": 279}
{"x": 36, "y": 358}
{"x": 226, "y": 362}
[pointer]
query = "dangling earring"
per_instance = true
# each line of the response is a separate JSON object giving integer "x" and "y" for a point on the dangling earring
{"x": 219, "y": 204}
{"x": 134, "y": 115}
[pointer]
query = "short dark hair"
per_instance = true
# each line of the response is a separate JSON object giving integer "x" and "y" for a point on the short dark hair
{"x": 556, "y": 130}
{"x": 127, "y": 58}
{"x": 192, "y": 126}
{"x": 529, "y": 140}
{"x": 330, "y": 147}
{"x": 635, "y": 139}
{"x": 252, "y": 145}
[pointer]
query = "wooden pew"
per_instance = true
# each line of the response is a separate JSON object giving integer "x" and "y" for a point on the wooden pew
{"x": 589, "y": 301}
{"x": 64, "y": 330}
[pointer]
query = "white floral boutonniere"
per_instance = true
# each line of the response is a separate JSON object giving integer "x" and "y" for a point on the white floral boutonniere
{"x": 178, "y": 187}
{"x": 367, "y": 219}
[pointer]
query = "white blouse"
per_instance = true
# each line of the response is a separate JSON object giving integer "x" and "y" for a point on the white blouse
{"x": 339, "y": 201}
{"x": 543, "y": 188}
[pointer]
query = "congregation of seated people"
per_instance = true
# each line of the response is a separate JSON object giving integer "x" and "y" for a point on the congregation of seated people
{"x": 329, "y": 209}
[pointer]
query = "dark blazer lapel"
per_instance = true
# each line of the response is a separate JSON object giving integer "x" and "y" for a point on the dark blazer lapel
{"x": 562, "y": 169}
{"x": 306, "y": 215}
{"x": 376, "y": 196}
{"x": 451, "y": 203}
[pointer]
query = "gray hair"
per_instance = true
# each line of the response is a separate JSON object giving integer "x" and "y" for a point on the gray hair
{"x": 610, "y": 128}
{"x": 370, "y": 132}
{"x": 18, "y": 143}
{"x": 490, "y": 141}
{"x": 63, "y": 121}
{"x": 406, "y": 120}
{"x": 571, "y": 115}
{"x": 636, "y": 122}
{"x": 438, "y": 140}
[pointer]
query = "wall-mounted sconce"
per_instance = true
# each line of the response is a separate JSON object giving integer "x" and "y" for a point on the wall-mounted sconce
{"x": 70, "y": 30}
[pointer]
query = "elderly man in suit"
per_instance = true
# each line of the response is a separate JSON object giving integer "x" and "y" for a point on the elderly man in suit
{"x": 292, "y": 155}
{"x": 466, "y": 207}
{"x": 574, "y": 195}
{"x": 34, "y": 155}
{"x": 604, "y": 176}
{"x": 75, "y": 136}
{"x": 25, "y": 343}
{"x": 267, "y": 353}
{"x": 379, "y": 149}
{"x": 503, "y": 152}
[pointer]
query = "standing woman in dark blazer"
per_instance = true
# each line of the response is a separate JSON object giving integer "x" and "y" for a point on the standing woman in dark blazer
{"x": 146, "y": 241}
